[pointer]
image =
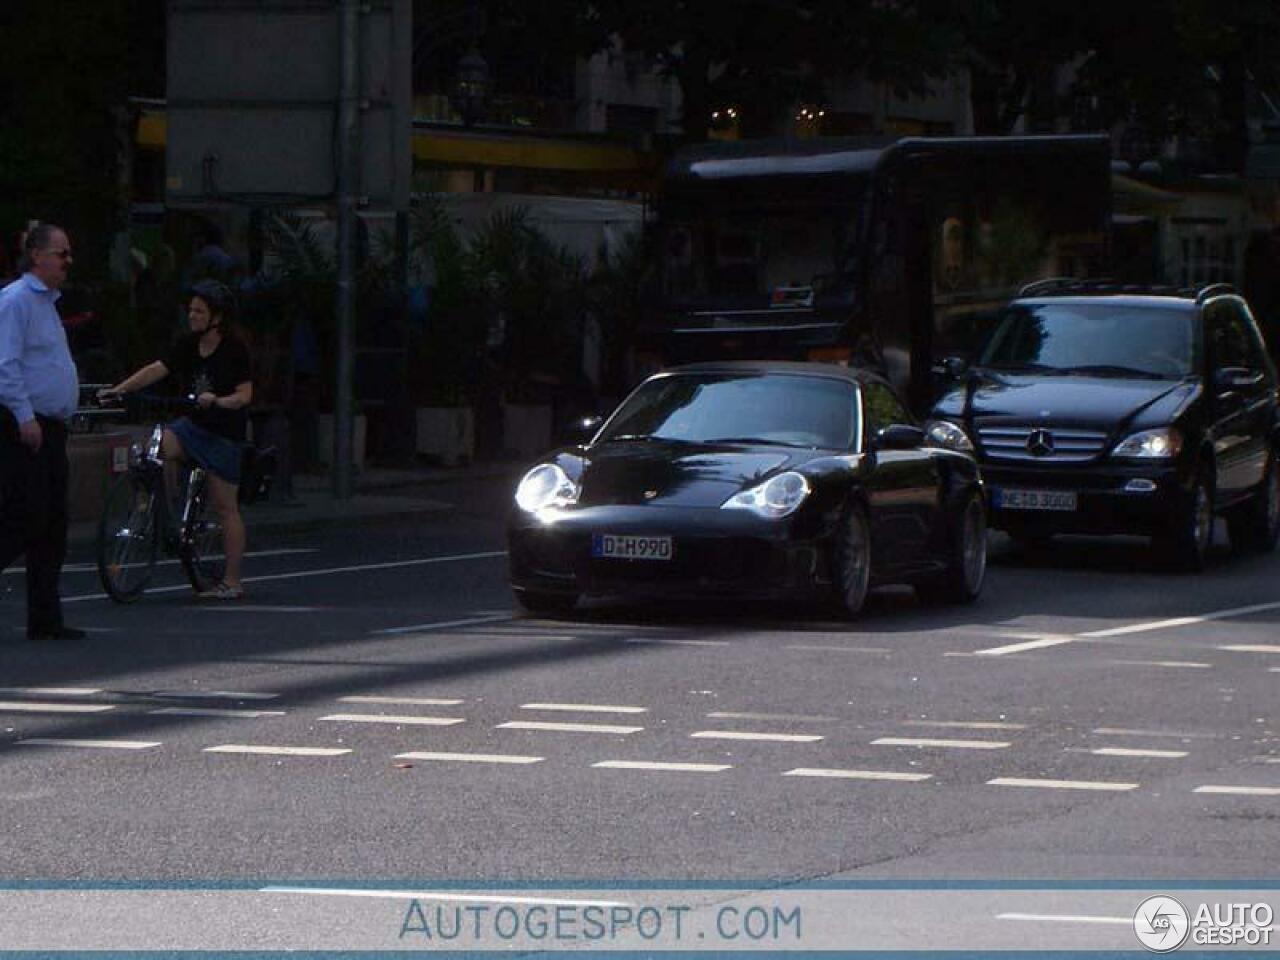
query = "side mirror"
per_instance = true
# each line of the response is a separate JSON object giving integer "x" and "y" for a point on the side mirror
{"x": 580, "y": 431}
{"x": 899, "y": 436}
{"x": 953, "y": 368}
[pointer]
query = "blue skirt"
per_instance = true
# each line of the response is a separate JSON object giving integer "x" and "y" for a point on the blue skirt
{"x": 216, "y": 454}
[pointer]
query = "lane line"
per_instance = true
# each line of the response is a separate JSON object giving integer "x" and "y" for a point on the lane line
{"x": 471, "y": 757}
{"x": 1163, "y": 663}
{"x": 661, "y": 766}
{"x": 1130, "y": 732}
{"x": 858, "y": 774}
{"x": 1128, "y": 752}
{"x": 54, "y": 691}
{"x": 762, "y": 737}
{"x": 215, "y": 712}
{"x": 1064, "y": 918}
{"x": 946, "y": 744}
{"x": 212, "y": 695}
{"x": 549, "y": 727}
{"x": 1039, "y": 643}
{"x": 1061, "y": 784}
{"x": 89, "y": 744}
{"x": 1251, "y": 648}
{"x": 277, "y": 751}
{"x": 398, "y": 721}
{"x": 322, "y": 572}
{"x": 412, "y": 701}
{"x": 799, "y": 717}
{"x": 966, "y": 724}
{"x": 32, "y": 706}
{"x": 583, "y": 708}
{"x": 443, "y": 625}
{"x": 1239, "y": 791}
{"x": 443, "y": 896}
{"x": 1183, "y": 621}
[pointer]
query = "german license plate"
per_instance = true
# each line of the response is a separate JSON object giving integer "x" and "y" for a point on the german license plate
{"x": 1005, "y": 499}
{"x": 615, "y": 546}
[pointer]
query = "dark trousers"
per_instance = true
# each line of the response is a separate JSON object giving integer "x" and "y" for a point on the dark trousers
{"x": 33, "y": 519}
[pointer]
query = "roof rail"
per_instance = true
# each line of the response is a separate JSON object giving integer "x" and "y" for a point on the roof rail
{"x": 1045, "y": 285}
{"x": 1216, "y": 290}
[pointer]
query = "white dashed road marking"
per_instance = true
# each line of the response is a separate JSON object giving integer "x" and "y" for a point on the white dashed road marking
{"x": 398, "y": 720}
{"x": 278, "y": 751}
{"x": 1182, "y": 621}
{"x": 53, "y": 691}
{"x": 1162, "y": 663}
{"x": 1038, "y": 643}
{"x": 212, "y": 695}
{"x": 667, "y": 767}
{"x": 762, "y": 737}
{"x": 567, "y": 727}
{"x": 945, "y": 744}
{"x": 404, "y": 701}
{"x": 1239, "y": 791}
{"x": 1251, "y": 648}
{"x": 966, "y": 724}
{"x": 858, "y": 774}
{"x": 31, "y": 706}
{"x": 583, "y": 707}
{"x": 1061, "y": 784}
{"x": 90, "y": 744}
{"x": 471, "y": 757}
{"x": 1129, "y": 732}
{"x": 215, "y": 712}
{"x": 1126, "y": 752}
{"x": 799, "y": 717}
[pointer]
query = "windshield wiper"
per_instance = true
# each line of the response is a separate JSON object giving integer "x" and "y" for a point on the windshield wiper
{"x": 1114, "y": 369}
{"x": 643, "y": 438}
{"x": 755, "y": 442}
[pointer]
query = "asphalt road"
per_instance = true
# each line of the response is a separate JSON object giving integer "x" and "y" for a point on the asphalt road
{"x": 377, "y": 711}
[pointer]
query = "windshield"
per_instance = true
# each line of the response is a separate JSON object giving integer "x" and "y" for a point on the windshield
{"x": 787, "y": 254}
{"x": 1101, "y": 339}
{"x": 782, "y": 409}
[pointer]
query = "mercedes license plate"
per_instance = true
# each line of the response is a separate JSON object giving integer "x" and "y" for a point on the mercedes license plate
{"x": 1006, "y": 499}
{"x": 615, "y": 546}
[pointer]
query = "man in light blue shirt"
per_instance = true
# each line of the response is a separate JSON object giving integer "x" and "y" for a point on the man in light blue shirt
{"x": 39, "y": 390}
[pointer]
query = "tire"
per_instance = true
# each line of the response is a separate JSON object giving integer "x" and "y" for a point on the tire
{"x": 537, "y": 601}
{"x": 967, "y": 561}
{"x": 1255, "y": 527}
{"x": 128, "y": 539}
{"x": 1187, "y": 546}
{"x": 201, "y": 548}
{"x": 851, "y": 563}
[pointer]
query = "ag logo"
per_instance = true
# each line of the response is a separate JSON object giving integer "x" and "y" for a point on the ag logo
{"x": 1161, "y": 923}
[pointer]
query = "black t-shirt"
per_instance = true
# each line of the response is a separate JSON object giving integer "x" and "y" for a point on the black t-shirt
{"x": 218, "y": 373}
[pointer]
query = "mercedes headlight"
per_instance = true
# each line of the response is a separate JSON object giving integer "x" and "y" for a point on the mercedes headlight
{"x": 1162, "y": 444}
{"x": 546, "y": 485}
{"x": 777, "y": 497}
{"x": 945, "y": 434}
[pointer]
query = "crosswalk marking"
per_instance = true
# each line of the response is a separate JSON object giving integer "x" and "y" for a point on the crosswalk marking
{"x": 212, "y": 695}
{"x": 32, "y": 706}
{"x": 549, "y": 727}
{"x": 935, "y": 742}
{"x": 583, "y": 707}
{"x": 398, "y": 720}
{"x": 53, "y": 691}
{"x": 966, "y": 724}
{"x": 857, "y": 774}
{"x": 1239, "y": 791}
{"x": 511, "y": 758}
{"x": 1192, "y": 664}
{"x": 406, "y": 701}
{"x": 1127, "y": 752}
{"x": 663, "y": 766}
{"x": 1061, "y": 784}
{"x": 1251, "y": 648}
{"x": 278, "y": 751}
{"x": 764, "y": 737}
{"x": 215, "y": 712}
{"x": 1039, "y": 643}
{"x": 89, "y": 744}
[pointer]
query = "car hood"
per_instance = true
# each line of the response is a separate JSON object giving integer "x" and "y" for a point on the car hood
{"x": 677, "y": 474}
{"x": 1102, "y": 402}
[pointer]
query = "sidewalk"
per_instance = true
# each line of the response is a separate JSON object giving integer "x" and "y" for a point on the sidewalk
{"x": 380, "y": 492}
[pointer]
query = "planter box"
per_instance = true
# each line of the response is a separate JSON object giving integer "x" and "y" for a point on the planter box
{"x": 324, "y": 439}
{"x": 526, "y": 430}
{"x": 447, "y": 434}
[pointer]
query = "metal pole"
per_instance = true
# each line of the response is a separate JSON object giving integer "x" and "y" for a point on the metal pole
{"x": 348, "y": 185}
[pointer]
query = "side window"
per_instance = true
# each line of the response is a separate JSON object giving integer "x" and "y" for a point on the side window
{"x": 1230, "y": 337}
{"x": 881, "y": 408}
{"x": 1255, "y": 349}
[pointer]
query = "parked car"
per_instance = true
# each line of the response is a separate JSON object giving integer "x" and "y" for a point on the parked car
{"x": 1097, "y": 409}
{"x": 750, "y": 479}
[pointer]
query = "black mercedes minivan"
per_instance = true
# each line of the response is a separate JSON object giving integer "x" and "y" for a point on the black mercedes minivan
{"x": 1099, "y": 409}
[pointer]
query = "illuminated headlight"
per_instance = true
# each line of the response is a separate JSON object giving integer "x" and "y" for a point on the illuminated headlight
{"x": 1161, "y": 444}
{"x": 545, "y": 486}
{"x": 945, "y": 434}
{"x": 773, "y": 499}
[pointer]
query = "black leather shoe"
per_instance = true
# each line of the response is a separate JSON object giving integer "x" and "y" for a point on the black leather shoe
{"x": 59, "y": 634}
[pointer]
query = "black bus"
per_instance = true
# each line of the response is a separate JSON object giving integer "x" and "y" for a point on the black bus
{"x": 888, "y": 252}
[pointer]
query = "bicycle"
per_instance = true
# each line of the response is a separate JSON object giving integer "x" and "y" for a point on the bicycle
{"x": 137, "y": 518}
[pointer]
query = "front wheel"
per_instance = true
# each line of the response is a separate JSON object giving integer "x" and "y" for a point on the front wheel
{"x": 1187, "y": 545}
{"x": 128, "y": 539}
{"x": 201, "y": 548}
{"x": 851, "y": 562}
{"x": 967, "y": 560}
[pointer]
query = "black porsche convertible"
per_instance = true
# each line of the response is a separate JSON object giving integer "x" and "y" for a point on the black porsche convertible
{"x": 750, "y": 479}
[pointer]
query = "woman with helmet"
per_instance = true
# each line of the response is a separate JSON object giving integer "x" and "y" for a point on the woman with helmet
{"x": 212, "y": 364}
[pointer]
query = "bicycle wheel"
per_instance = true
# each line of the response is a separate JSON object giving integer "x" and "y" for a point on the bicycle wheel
{"x": 201, "y": 551}
{"x": 128, "y": 539}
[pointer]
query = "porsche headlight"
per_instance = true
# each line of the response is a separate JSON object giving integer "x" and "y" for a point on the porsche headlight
{"x": 546, "y": 485}
{"x": 1162, "y": 444}
{"x": 775, "y": 498}
{"x": 945, "y": 434}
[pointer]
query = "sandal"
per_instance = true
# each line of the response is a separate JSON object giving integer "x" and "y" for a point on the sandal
{"x": 221, "y": 591}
